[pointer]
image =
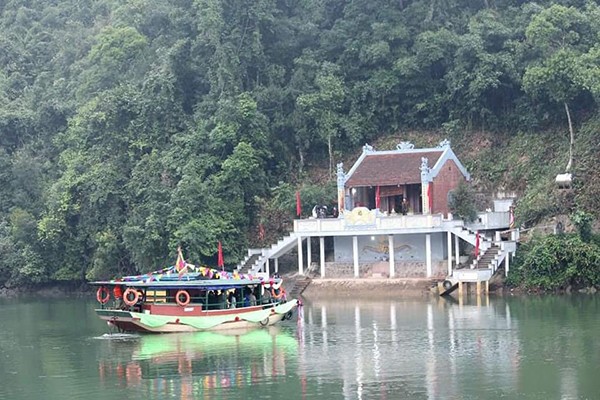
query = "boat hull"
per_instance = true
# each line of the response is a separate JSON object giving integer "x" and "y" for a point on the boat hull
{"x": 216, "y": 320}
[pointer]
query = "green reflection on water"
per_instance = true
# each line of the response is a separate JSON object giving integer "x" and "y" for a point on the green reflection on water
{"x": 527, "y": 347}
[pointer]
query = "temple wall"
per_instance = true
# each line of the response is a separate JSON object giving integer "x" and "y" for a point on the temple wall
{"x": 408, "y": 247}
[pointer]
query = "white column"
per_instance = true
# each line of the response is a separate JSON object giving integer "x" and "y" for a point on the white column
{"x": 449, "y": 253}
{"x": 391, "y": 256}
{"x": 456, "y": 250}
{"x": 308, "y": 252}
{"x": 322, "y": 255}
{"x": 428, "y": 253}
{"x": 300, "y": 261}
{"x": 276, "y": 265}
{"x": 355, "y": 254}
{"x": 506, "y": 262}
{"x": 267, "y": 268}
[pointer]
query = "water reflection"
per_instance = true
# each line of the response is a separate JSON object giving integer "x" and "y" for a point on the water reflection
{"x": 423, "y": 349}
{"x": 185, "y": 365}
{"x": 369, "y": 349}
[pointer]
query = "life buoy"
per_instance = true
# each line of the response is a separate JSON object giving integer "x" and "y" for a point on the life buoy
{"x": 277, "y": 296}
{"x": 131, "y": 297}
{"x": 182, "y": 297}
{"x": 102, "y": 295}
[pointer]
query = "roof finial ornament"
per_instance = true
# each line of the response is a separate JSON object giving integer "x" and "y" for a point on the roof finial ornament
{"x": 444, "y": 144}
{"x": 367, "y": 148}
{"x": 424, "y": 165}
{"x": 405, "y": 146}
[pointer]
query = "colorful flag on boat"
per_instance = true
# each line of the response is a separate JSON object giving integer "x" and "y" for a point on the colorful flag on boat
{"x": 298, "y": 204}
{"x": 220, "y": 261}
{"x": 180, "y": 265}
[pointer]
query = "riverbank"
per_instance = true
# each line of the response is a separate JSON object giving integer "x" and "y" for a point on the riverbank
{"x": 373, "y": 287}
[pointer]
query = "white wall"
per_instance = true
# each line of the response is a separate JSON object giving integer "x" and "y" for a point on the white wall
{"x": 409, "y": 247}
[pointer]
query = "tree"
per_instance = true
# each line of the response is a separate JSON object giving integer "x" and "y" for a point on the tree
{"x": 325, "y": 106}
{"x": 560, "y": 38}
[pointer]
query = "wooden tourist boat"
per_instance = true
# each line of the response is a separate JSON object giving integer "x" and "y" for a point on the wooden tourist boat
{"x": 192, "y": 299}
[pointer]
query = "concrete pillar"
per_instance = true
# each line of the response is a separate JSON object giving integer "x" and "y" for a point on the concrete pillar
{"x": 267, "y": 268}
{"x": 276, "y": 265}
{"x": 391, "y": 256}
{"x": 460, "y": 289}
{"x": 456, "y": 250}
{"x": 308, "y": 252}
{"x": 300, "y": 261}
{"x": 449, "y": 253}
{"x": 355, "y": 254}
{"x": 478, "y": 288}
{"x": 322, "y": 255}
{"x": 506, "y": 263}
{"x": 428, "y": 253}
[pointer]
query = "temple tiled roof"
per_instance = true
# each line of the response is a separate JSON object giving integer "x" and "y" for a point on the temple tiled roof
{"x": 389, "y": 169}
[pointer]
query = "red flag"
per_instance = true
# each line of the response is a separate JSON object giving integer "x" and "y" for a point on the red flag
{"x": 298, "y": 204}
{"x": 476, "y": 244}
{"x": 220, "y": 261}
{"x": 377, "y": 198}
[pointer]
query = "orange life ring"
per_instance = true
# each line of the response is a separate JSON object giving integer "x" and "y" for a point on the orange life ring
{"x": 186, "y": 298}
{"x": 131, "y": 297}
{"x": 278, "y": 296}
{"x": 102, "y": 295}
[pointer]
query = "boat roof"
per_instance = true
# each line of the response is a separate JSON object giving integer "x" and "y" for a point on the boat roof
{"x": 193, "y": 277}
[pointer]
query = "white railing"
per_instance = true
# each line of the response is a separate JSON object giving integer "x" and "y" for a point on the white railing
{"x": 380, "y": 222}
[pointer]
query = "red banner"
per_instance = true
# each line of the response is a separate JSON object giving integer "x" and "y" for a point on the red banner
{"x": 476, "y": 244}
{"x": 298, "y": 204}
{"x": 430, "y": 196}
{"x": 378, "y": 198}
{"x": 220, "y": 261}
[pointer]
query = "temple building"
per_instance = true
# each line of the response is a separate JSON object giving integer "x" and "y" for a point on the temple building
{"x": 394, "y": 221}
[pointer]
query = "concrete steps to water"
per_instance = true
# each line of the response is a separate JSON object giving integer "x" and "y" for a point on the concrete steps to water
{"x": 299, "y": 286}
{"x": 487, "y": 258}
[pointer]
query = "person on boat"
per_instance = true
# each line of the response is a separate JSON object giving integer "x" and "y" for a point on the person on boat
{"x": 252, "y": 299}
{"x": 118, "y": 295}
{"x": 266, "y": 298}
{"x": 231, "y": 299}
{"x": 221, "y": 299}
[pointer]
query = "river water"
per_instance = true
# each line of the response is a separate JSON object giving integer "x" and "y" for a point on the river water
{"x": 429, "y": 348}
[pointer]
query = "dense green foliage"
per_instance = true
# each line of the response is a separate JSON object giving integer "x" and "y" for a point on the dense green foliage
{"x": 555, "y": 262}
{"x": 462, "y": 203}
{"x": 128, "y": 128}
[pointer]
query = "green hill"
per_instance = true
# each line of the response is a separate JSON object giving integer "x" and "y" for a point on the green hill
{"x": 128, "y": 128}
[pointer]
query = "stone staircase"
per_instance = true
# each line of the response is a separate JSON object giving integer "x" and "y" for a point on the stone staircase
{"x": 488, "y": 258}
{"x": 299, "y": 286}
{"x": 257, "y": 258}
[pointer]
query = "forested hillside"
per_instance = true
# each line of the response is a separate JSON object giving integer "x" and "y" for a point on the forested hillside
{"x": 129, "y": 127}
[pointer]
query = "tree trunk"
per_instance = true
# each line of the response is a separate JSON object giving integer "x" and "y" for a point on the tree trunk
{"x": 301, "y": 156}
{"x": 330, "y": 154}
{"x": 572, "y": 141}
